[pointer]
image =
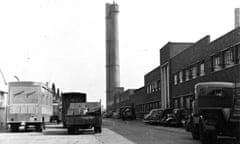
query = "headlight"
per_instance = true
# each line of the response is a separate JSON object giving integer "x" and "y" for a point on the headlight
{"x": 23, "y": 123}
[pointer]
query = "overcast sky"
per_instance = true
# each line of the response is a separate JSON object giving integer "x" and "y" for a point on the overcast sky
{"x": 63, "y": 41}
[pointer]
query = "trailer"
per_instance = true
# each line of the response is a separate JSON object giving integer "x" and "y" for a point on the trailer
{"x": 29, "y": 104}
{"x": 79, "y": 114}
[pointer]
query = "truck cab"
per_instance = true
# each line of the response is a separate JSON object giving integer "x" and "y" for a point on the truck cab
{"x": 215, "y": 111}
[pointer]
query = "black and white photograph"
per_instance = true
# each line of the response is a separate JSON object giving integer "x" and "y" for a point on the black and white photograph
{"x": 120, "y": 72}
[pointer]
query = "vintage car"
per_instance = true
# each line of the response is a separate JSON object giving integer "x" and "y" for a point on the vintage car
{"x": 176, "y": 118}
{"x": 153, "y": 117}
{"x": 127, "y": 113}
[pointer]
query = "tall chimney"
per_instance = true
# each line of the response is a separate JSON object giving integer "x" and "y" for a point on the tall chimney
{"x": 237, "y": 17}
{"x": 112, "y": 53}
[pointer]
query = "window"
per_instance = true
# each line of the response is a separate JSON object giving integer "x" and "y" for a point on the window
{"x": 238, "y": 54}
{"x": 155, "y": 86}
{"x": 175, "y": 79}
{"x": 228, "y": 58}
{"x": 159, "y": 84}
{"x": 216, "y": 63}
{"x": 180, "y": 77}
{"x": 150, "y": 88}
{"x": 202, "y": 71}
{"x": 186, "y": 74}
{"x": 194, "y": 72}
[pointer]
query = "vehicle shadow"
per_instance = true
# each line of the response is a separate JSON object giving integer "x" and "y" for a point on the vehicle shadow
{"x": 62, "y": 131}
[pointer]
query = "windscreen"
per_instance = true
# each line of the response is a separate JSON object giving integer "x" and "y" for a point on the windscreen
{"x": 215, "y": 91}
{"x": 83, "y": 108}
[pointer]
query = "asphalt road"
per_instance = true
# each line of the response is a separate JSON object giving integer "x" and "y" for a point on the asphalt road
{"x": 113, "y": 132}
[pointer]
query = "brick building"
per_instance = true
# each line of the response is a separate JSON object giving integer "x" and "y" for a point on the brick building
{"x": 167, "y": 52}
{"x": 204, "y": 61}
{"x": 149, "y": 96}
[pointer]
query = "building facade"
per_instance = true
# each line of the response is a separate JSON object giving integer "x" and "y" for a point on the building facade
{"x": 167, "y": 52}
{"x": 218, "y": 60}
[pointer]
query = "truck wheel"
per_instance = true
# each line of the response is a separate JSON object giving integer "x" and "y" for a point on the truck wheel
{"x": 95, "y": 129}
{"x": 207, "y": 138}
{"x": 14, "y": 128}
{"x": 195, "y": 132}
{"x": 100, "y": 129}
{"x": 70, "y": 131}
{"x": 39, "y": 128}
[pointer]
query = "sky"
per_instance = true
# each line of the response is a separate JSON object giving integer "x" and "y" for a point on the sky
{"x": 63, "y": 41}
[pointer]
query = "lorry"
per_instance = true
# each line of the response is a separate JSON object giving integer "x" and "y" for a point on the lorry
{"x": 79, "y": 114}
{"x": 215, "y": 111}
{"x": 28, "y": 104}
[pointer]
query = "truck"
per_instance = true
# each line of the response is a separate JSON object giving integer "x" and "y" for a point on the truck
{"x": 215, "y": 111}
{"x": 79, "y": 114}
{"x": 29, "y": 104}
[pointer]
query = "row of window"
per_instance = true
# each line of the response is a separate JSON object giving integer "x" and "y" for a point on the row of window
{"x": 154, "y": 87}
{"x": 219, "y": 61}
{"x": 182, "y": 102}
{"x": 144, "y": 108}
{"x": 226, "y": 58}
{"x": 189, "y": 73}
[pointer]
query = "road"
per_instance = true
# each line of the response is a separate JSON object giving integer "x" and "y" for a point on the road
{"x": 113, "y": 132}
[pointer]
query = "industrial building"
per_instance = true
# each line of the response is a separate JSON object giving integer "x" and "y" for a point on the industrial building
{"x": 182, "y": 65}
{"x": 218, "y": 60}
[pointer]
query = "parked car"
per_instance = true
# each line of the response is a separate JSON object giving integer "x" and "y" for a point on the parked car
{"x": 154, "y": 116}
{"x": 127, "y": 112}
{"x": 165, "y": 115}
{"x": 176, "y": 118}
{"x": 116, "y": 115}
{"x": 107, "y": 115}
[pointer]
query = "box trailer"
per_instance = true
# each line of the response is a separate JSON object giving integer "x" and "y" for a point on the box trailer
{"x": 29, "y": 104}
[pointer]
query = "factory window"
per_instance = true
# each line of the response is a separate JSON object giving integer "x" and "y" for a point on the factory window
{"x": 156, "y": 85}
{"x": 175, "y": 79}
{"x": 159, "y": 84}
{"x": 228, "y": 58}
{"x": 216, "y": 62}
{"x": 238, "y": 54}
{"x": 180, "y": 77}
{"x": 194, "y": 72}
{"x": 202, "y": 70}
{"x": 147, "y": 89}
{"x": 152, "y": 85}
{"x": 187, "y": 74}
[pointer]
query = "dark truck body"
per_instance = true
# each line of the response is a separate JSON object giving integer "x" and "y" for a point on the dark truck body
{"x": 79, "y": 114}
{"x": 215, "y": 111}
